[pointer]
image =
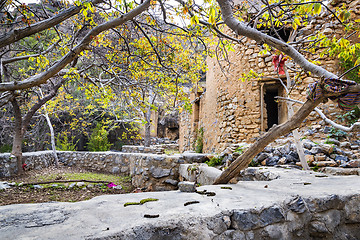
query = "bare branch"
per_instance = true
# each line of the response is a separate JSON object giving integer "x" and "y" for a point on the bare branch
{"x": 18, "y": 34}
{"x": 354, "y": 127}
{"x": 15, "y": 59}
{"x": 39, "y": 104}
{"x": 349, "y": 70}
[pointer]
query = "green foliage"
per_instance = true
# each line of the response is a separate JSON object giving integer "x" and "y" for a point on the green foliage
{"x": 171, "y": 152}
{"x": 5, "y": 148}
{"x": 99, "y": 139}
{"x": 214, "y": 161}
{"x": 240, "y": 150}
{"x": 336, "y": 133}
{"x": 328, "y": 141}
{"x": 315, "y": 168}
{"x": 192, "y": 168}
{"x": 199, "y": 140}
{"x": 63, "y": 143}
{"x": 118, "y": 180}
{"x": 253, "y": 163}
{"x": 346, "y": 64}
{"x": 350, "y": 117}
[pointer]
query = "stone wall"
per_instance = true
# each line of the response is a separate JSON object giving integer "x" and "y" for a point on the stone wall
{"x": 230, "y": 109}
{"x": 331, "y": 217}
{"x": 148, "y": 171}
{"x": 155, "y": 149}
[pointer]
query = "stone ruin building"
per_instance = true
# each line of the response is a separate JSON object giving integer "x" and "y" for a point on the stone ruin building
{"x": 228, "y": 110}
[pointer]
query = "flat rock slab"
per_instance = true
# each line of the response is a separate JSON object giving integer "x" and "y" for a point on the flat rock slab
{"x": 181, "y": 215}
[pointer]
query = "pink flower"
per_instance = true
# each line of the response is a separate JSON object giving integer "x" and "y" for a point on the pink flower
{"x": 111, "y": 184}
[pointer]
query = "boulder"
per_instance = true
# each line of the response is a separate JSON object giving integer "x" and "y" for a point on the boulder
{"x": 327, "y": 148}
{"x": 187, "y": 186}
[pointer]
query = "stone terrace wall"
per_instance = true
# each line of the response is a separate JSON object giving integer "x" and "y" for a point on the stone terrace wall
{"x": 230, "y": 109}
{"x": 330, "y": 217}
{"x": 156, "y": 149}
{"x": 148, "y": 171}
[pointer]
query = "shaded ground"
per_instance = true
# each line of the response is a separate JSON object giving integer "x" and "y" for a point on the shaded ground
{"x": 60, "y": 192}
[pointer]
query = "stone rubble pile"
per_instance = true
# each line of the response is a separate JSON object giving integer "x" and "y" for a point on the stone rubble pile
{"x": 329, "y": 153}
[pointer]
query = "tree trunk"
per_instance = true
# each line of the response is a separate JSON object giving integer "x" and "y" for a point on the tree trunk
{"x": 52, "y": 135}
{"x": 18, "y": 137}
{"x": 276, "y": 131}
{"x": 147, "y": 139}
{"x": 295, "y": 132}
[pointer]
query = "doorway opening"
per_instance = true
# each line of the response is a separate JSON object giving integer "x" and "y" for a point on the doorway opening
{"x": 272, "y": 108}
{"x": 272, "y": 112}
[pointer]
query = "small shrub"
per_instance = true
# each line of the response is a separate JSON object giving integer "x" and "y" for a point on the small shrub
{"x": 99, "y": 139}
{"x": 199, "y": 141}
{"x": 350, "y": 117}
{"x": 253, "y": 163}
{"x": 337, "y": 134}
{"x": 214, "y": 161}
{"x": 63, "y": 143}
{"x": 5, "y": 148}
{"x": 240, "y": 150}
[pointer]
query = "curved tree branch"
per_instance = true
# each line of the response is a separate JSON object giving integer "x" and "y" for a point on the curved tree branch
{"x": 241, "y": 29}
{"x": 353, "y": 128}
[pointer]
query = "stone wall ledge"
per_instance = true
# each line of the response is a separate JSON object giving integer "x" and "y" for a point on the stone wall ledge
{"x": 297, "y": 205}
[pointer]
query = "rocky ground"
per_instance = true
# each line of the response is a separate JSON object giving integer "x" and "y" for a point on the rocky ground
{"x": 16, "y": 190}
{"x": 320, "y": 151}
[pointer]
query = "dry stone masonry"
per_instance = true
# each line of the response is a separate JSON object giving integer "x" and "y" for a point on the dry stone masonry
{"x": 148, "y": 171}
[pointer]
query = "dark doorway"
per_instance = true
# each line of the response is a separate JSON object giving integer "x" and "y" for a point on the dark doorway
{"x": 271, "y": 106}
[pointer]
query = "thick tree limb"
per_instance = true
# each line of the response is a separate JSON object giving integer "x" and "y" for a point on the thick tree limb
{"x": 73, "y": 53}
{"x": 17, "y": 34}
{"x": 276, "y": 131}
